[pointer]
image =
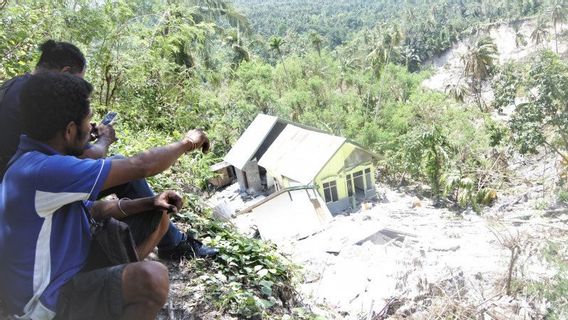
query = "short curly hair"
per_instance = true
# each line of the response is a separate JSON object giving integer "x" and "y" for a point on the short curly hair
{"x": 50, "y": 101}
{"x": 56, "y": 55}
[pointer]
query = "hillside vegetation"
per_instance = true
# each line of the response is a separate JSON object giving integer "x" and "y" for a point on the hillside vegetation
{"x": 352, "y": 68}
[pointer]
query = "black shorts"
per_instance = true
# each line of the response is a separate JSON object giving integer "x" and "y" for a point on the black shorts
{"x": 95, "y": 294}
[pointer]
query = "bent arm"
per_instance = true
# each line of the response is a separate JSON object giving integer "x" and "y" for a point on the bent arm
{"x": 109, "y": 208}
{"x": 166, "y": 201}
{"x": 97, "y": 150}
{"x": 105, "y": 137}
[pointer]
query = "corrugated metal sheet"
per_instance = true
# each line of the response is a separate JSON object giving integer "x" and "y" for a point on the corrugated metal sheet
{"x": 289, "y": 215}
{"x": 219, "y": 166}
{"x": 300, "y": 154}
{"x": 250, "y": 141}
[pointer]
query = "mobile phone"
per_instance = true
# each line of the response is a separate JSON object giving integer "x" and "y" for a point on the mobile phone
{"x": 109, "y": 118}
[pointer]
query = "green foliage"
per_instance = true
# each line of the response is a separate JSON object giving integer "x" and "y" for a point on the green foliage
{"x": 498, "y": 133}
{"x": 478, "y": 62}
{"x": 543, "y": 120}
{"x": 17, "y": 40}
{"x": 249, "y": 278}
{"x": 169, "y": 66}
{"x": 432, "y": 148}
{"x": 554, "y": 290}
{"x": 428, "y": 27}
{"x": 506, "y": 85}
{"x": 563, "y": 196}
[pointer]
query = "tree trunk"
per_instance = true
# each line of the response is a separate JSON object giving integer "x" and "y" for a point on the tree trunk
{"x": 555, "y": 37}
{"x": 478, "y": 96}
{"x": 283, "y": 65}
{"x": 377, "y": 106}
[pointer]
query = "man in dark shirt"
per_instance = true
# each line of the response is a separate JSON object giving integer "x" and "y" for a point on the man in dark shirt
{"x": 66, "y": 58}
{"x": 56, "y": 56}
{"x": 10, "y": 119}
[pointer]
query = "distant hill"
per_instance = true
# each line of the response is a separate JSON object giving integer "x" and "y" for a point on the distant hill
{"x": 335, "y": 21}
{"x": 428, "y": 27}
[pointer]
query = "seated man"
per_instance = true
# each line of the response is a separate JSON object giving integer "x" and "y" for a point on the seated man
{"x": 67, "y": 58}
{"x": 44, "y": 217}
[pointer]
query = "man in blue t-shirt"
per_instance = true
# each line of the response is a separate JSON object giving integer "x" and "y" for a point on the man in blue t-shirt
{"x": 47, "y": 197}
{"x": 67, "y": 58}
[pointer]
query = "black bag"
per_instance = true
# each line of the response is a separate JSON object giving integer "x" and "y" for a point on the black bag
{"x": 112, "y": 245}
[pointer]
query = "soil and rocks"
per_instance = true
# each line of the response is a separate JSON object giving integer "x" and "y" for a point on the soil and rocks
{"x": 448, "y": 67}
{"x": 399, "y": 256}
{"x": 433, "y": 262}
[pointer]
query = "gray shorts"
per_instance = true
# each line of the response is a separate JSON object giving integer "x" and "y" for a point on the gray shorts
{"x": 95, "y": 294}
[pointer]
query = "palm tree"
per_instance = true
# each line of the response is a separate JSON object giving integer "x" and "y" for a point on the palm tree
{"x": 478, "y": 62}
{"x": 316, "y": 41}
{"x": 520, "y": 40}
{"x": 410, "y": 55}
{"x": 378, "y": 59}
{"x": 235, "y": 42}
{"x": 347, "y": 73}
{"x": 540, "y": 32}
{"x": 558, "y": 13}
{"x": 210, "y": 10}
{"x": 276, "y": 45}
{"x": 457, "y": 91}
{"x": 392, "y": 40}
{"x": 381, "y": 56}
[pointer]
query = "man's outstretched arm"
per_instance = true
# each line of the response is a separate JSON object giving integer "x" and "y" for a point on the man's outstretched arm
{"x": 154, "y": 161}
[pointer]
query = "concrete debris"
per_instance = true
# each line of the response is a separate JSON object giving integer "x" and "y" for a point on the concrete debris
{"x": 401, "y": 257}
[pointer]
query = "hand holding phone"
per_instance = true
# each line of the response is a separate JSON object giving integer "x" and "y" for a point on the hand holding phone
{"x": 109, "y": 118}
{"x": 105, "y": 129}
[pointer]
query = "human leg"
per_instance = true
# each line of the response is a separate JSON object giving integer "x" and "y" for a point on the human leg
{"x": 146, "y": 245}
{"x": 174, "y": 244}
{"x": 145, "y": 287}
{"x": 132, "y": 291}
{"x": 140, "y": 188}
{"x": 95, "y": 294}
{"x": 142, "y": 227}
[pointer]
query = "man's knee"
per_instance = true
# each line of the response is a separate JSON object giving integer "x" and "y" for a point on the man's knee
{"x": 147, "y": 280}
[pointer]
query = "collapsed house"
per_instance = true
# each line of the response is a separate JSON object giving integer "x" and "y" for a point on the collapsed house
{"x": 273, "y": 155}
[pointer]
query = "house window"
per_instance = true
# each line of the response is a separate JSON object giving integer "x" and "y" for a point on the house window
{"x": 330, "y": 191}
{"x": 368, "y": 179}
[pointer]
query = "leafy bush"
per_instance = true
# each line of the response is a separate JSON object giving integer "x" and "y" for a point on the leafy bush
{"x": 249, "y": 278}
{"x": 563, "y": 196}
{"x": 555, "y": 290}
{"x": 542, "y": 120}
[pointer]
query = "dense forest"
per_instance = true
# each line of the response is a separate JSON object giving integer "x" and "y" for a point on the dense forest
{"x": 352, "y": 68}
{"x": 429, "y": 27}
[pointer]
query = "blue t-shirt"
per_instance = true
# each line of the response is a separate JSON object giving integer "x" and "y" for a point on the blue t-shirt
{"x": 10, "y": 118}
{"x": 44, "y": 229}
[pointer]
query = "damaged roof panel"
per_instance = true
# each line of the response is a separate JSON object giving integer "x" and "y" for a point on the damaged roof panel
{"x": 289, "y": 214}
{"x": 300, "y": 154}
{"x": 249, "y": 142}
